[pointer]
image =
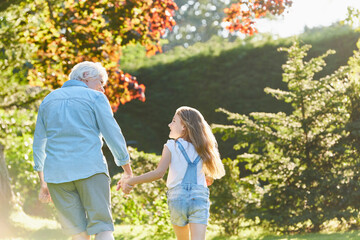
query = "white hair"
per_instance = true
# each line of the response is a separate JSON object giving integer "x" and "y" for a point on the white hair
{"x": 91, "y": 69}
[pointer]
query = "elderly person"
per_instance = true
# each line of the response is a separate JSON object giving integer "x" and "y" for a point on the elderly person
{"x": 67, "y": 145}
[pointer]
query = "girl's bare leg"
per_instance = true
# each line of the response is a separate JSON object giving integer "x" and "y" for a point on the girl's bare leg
{"x": 182, "y": 233}
{"x": 198, "y": 231}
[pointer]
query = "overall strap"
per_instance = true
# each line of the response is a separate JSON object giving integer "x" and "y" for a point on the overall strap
{"x": 191, "y": 171}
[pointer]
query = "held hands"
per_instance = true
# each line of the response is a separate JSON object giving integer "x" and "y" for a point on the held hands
{"x": 124, "y": 185}
{"x": 44, "y": 194}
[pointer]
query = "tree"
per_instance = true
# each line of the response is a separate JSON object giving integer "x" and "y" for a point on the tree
{"x": 240, "y": 15}
{"x": 17, "y": 110}
{"x": 17, "y": 122}
{"x": 73, "y": 31}
{"x": 198, "y": 21}
{"x": 304, "y": 165}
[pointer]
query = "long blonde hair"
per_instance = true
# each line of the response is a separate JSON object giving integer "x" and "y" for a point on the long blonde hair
{"x": 198, "y": 132}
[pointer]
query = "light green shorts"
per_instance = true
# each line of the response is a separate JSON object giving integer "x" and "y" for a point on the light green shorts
{"x": 84, "y": 205}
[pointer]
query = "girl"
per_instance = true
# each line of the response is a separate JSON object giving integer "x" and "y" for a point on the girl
{"x": 191, "y": 155}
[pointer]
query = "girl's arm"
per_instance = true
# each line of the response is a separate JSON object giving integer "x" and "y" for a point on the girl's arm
{"x": 156, "y": 174}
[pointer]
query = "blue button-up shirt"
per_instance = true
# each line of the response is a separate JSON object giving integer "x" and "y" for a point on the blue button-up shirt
{"x": 68, "y": 136}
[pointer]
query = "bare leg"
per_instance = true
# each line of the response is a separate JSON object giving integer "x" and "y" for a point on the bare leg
{"x": 197, "y": 231}
{"x": 182, "y": 233}
{"x": 107, "y": 235}
{"x": 81, "y": 236}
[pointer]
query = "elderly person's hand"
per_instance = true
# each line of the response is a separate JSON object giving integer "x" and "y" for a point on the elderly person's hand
{"x": 44, "y": 194}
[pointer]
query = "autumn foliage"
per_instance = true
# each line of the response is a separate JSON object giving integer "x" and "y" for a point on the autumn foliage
{"x": 241, "y": 15}
{"x": 73, "y": 31}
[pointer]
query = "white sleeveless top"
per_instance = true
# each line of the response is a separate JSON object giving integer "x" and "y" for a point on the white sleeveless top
{"x": 178, "y": 164}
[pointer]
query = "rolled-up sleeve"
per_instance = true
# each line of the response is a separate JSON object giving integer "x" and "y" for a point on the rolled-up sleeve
{"x": 39, "y": 144}
{"x": 111, "y": 130}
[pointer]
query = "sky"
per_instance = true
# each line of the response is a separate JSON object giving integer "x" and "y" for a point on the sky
{"x": 311, "y": 13}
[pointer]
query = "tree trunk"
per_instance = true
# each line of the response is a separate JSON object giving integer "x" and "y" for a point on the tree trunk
{"x": 5, "y": 188}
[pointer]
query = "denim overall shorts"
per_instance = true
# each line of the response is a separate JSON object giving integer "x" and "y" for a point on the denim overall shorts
{"x": 189, "y": 202}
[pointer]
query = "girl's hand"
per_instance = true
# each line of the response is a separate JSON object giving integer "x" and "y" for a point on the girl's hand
{"x": 209, "y": 180}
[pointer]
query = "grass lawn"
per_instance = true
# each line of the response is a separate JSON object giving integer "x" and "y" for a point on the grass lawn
{"x": 28, "y": 227}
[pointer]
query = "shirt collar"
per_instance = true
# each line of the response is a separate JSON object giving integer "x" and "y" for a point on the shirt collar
{"x": 71, "y": 83}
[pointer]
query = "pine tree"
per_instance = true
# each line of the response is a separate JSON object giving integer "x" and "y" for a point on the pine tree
{"x": 295, "y": 181}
